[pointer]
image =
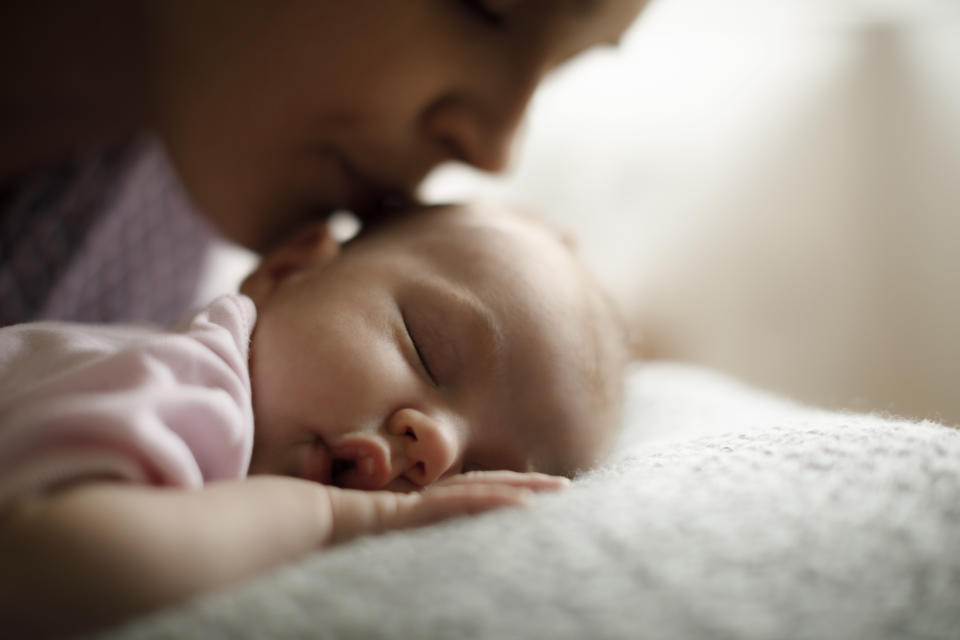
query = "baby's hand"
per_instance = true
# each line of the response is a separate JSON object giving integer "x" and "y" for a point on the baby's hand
{"x": 354, "y": 513}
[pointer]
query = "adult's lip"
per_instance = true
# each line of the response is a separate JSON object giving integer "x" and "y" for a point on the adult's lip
{"x": 370, "y": 197}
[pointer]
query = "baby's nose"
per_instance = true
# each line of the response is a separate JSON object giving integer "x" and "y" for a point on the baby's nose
{"x": 429, "y": 446}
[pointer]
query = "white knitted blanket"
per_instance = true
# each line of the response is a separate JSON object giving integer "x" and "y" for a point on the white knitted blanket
{"x": 726, "y": 513}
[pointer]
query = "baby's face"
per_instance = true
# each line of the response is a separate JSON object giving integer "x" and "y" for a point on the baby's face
{"x": 443, "y": 343}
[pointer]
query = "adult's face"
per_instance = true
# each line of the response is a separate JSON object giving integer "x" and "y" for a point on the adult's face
{"x": 277, "y": 111}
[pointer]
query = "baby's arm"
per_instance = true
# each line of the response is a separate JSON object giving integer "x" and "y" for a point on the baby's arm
{"x": 94, "y": 553}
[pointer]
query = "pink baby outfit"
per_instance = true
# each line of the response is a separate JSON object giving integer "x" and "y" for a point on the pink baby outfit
{"x": 165, "y": 408}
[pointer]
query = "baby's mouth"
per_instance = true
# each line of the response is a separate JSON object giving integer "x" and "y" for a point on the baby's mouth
{"x": 352, "y": 466}
{"x": 339, "y": 468}
{"x": 349, "y": 467}
{"x": 316, "y": 462}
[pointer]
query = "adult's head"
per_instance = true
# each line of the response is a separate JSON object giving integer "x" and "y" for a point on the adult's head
{"x": 276, "y": 111}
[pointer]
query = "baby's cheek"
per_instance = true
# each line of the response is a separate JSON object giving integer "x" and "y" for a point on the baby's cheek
{"x": 368, "y": 370}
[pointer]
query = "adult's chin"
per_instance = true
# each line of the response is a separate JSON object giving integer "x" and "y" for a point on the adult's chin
{"x": 250, "y": 211}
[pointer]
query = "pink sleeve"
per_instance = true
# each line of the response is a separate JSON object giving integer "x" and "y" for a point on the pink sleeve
{"x": 150, "y": 407}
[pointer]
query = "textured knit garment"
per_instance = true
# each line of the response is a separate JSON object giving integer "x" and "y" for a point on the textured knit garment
{"x": 165, "y": 408}
{"x": 105, "y": 237}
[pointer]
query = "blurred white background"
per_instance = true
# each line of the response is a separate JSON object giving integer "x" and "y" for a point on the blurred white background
{"x": 770, "y": 187}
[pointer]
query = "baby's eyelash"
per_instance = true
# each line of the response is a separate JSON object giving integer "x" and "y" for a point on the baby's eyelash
{"x": 416, "y": 347}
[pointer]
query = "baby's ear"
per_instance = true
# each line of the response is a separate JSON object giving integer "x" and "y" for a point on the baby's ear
{"x": 313, "y": 245}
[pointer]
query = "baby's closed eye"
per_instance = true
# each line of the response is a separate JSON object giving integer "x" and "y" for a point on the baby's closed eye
{"x": 436, "y": 344}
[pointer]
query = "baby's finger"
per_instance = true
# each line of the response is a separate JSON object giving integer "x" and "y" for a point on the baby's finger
{"x": 356, "y": 513}
{"x": 442, "y": 503}
{"x": 532, "y": 481}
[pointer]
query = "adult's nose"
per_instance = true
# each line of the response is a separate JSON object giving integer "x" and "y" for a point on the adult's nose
{"x": 428, "y": 446}
{"x": 477, "y": 124}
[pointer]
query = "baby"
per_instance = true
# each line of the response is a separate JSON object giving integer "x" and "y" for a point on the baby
{"x": 445, "y": 363}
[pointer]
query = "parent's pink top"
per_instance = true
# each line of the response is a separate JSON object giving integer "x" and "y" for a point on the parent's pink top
{"x": 165, "y": 408}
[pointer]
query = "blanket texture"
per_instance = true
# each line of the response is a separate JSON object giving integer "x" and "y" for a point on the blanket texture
{"x": 725, "y": 513}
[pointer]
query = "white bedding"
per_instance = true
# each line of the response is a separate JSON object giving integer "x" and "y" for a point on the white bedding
{"x": 726, "y": 513}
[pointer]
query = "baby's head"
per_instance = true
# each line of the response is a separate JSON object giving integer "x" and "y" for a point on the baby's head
{"x": 450, "y": 340}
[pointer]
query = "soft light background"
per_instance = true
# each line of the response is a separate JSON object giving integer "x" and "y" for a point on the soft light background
{"x": 770, "y": 187}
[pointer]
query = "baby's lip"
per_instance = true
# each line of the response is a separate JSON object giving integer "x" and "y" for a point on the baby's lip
{"x": 360, "y": 463}
{"x": 316, "y": 462}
